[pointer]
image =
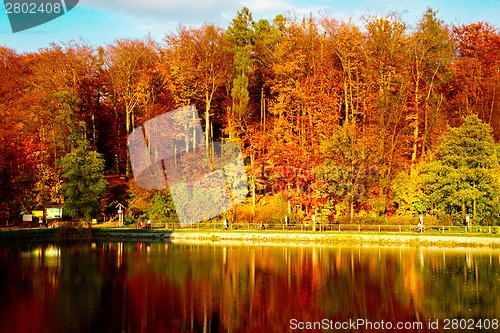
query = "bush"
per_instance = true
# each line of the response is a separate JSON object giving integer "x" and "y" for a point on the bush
{"x": 70, "y": 230}
{"x": 270, "y": 209}
{"x": 429, "y": 220}
{"x": 403, "y": 220}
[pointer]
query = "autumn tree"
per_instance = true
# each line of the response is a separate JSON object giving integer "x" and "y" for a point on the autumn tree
{"x": 14, "y": 138}
{"x": 266, "y": 36}
{"x": 431, "y": 57}
{"x": 52, "y": 109}
{"x": 131, "y": 81}
{"x": 477, "y": 67}
{"x": 196, "y": 68}
{"x": 346, "y": 177}
{"x": 302, "y": 111}
{"x": 387, "y": 78}
{"x": 409, "y": 192}
{"x": 347, "y": 41}
{"x": 61, "y": 77}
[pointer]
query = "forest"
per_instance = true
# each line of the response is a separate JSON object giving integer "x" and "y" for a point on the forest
{"x": 372, "y": 121}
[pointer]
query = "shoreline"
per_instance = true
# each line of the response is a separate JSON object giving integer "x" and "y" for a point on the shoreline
{"x": 335, "y": 239}
{"x": 286, "y": 238}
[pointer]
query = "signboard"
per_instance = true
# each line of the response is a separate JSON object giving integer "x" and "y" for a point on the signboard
{"x": 120, "y": 213}
{"x": 38, "y": 213}
{"x": 27, "y": 217}
{"x": 53, "y": 213}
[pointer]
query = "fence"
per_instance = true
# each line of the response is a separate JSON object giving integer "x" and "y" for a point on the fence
{"x": 338, "y": 228}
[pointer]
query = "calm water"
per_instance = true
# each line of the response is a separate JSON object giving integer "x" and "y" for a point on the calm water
{"x": 165, "y": 287}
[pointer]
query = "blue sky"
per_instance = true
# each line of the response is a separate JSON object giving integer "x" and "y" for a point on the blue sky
{"x": 100, "y": 22}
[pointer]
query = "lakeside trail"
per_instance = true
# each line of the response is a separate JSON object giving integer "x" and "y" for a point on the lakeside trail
{"x": 276, "y": 238}
{"x": 286, "y": 238}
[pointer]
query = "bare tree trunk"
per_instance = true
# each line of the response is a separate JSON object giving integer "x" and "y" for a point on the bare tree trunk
{"x": 207, "y": 122}
{"x": 262, "y": 110}
{"x": 252, "y": 183}
{"x": 415, "y": 130}
{"x": 474, "y": 202}
{"x": 127, "y": 128}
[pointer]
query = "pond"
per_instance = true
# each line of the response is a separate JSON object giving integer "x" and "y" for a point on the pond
{"x": 180, "y": 287}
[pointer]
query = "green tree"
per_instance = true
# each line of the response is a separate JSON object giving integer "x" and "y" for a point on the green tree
{"x": 83, "y": 170}
{"x": 464, "y": 179}
{"x": 240, "y": 33}
{"x": 162, "y": 209}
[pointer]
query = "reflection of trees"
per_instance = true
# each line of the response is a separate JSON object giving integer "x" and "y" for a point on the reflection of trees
{"x": 25, "y": 280}
{"x": 80, "y": 286}
{"x": 467, "y": 280}
{"x": 367, "y": 284}
{"x": 254, "y": 288}
{"x": 142, "y": 287}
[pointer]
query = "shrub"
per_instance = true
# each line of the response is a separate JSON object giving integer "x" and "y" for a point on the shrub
{"x": 70, "y": 230}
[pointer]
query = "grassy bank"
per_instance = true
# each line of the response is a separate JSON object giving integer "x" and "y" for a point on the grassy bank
{"x": 262, "y": 237}
{"x": 334, "y": 238}
{"x": 23, "y": 235}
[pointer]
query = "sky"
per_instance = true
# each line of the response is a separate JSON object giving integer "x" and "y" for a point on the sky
{"x": 101, "y": 22}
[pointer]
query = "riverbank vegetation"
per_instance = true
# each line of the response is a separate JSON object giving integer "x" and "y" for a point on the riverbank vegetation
{"x": 379, "y": 121}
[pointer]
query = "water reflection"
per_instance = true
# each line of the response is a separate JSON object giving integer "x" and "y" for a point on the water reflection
{"x": 164, "y": 287}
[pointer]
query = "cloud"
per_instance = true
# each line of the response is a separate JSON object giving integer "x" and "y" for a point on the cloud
{"x": 269, "y": 9}
{"x": 190, "y": 12}
{"x": 155, "y": 14}
{"x": 265, "y": 7}
{"x": 158, "y": 17}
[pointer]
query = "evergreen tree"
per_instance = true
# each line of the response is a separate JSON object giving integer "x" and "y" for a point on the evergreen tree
{"x": 162, "y": 209}
{"x": 464, "y": 178}
{"x": 240, "y": 34}
{"x": 83, "y": 170}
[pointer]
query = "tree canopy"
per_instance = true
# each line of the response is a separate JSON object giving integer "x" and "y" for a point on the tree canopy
{"x": 316, "y": 104}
